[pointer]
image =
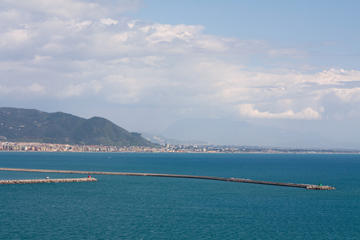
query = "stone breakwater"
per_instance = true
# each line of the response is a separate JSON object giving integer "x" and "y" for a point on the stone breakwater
{"x": 48, "y": 180}
{"x": 242, "y": 180}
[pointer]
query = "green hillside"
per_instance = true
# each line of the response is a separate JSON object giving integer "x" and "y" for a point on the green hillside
{"x": 30, "y": 125}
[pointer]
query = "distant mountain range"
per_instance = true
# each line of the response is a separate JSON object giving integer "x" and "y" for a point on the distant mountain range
{"x": 284, "y": 133}
{"x": 30, "y": 125}
{"x": 159, "y": 139}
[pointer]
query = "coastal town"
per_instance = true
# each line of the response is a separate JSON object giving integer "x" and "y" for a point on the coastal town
{"x": 191, "y": 148}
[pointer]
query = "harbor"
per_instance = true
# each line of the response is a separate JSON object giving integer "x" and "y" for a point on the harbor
{"x": 231, "y": 179}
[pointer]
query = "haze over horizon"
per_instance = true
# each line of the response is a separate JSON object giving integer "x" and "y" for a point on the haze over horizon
{"x": 275, "y": 73}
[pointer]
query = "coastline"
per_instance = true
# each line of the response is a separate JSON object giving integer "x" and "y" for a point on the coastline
{"x": 56, "y": 147}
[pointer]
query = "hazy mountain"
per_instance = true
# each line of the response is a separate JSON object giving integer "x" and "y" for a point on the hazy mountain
{"x": 30, "y": 125}
{"x": 159, "y": 139}
{"x": 279, "y": 133}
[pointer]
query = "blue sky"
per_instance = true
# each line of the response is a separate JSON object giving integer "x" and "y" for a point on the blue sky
{"x": 287, "y": 22}
{"x": 286, "y": 72}
{"x": 326, "y": 28}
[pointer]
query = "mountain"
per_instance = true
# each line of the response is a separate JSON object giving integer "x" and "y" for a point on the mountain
{"x": 286, "y": 133}
{"x": 159, "y": 139}
{"x": 30, "y": 125}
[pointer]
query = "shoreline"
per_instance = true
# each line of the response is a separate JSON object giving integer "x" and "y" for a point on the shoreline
{"x": 227, "y": 149}
{"x": 189, "y": 152}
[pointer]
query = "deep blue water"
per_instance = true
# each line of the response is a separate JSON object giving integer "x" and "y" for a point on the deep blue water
{"x": 125, "y": 207}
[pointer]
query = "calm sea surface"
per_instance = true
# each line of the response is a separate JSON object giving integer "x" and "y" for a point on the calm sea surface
{"x": 128, "y": 207}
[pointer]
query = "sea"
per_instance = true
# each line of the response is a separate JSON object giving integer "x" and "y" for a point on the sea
{"x": 137, "y": 207}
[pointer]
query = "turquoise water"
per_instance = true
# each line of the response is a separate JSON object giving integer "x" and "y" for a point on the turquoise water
{"x": 125, "y": 207}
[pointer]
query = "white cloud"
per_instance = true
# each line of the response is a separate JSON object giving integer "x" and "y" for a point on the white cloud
{"x": 53, "y": 48}
{"x": 40, "y": 59}
{"x": 123, "y": 90}
{"x": 58, "y": 8}
{"x": 37, "y": 88}
{"x": 153, "y": 60}
{"x": 74, "y": 49}
{"x": 348, "y": 95}
{"x": 4, "y": 90}
{"x": 211, "y": 43}
{"x": 120, "y": 37}
{"x": 79, "y": 26}
{"x": 108, "y": 21}
{"x": 80, "y": 89}
{"x": 14, "y": 38}
{"x": 333, "y": 77}
{"x": 248, "y": 110}
{"x": 10, "y": 15}
{"x": 33, "y": 90}
{"x": 131, "y": 24}
{"x": 73, "y": 90}
{"x": 158, "y": 33}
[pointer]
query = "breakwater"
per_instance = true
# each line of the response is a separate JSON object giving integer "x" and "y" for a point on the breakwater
{"x": 232, "y": 179}
{"x": 48, "y": 180}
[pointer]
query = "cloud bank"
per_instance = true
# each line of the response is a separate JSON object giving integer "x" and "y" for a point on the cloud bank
{"x": 74, "y": 50}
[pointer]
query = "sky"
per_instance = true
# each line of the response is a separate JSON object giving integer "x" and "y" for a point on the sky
{"x": 274, "y": 73}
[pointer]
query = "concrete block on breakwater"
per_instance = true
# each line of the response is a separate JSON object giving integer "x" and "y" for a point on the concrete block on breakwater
{"x": 48, "y": 180}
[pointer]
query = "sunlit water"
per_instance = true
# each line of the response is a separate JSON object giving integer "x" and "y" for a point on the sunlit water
{"x": 125, "y": 207}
